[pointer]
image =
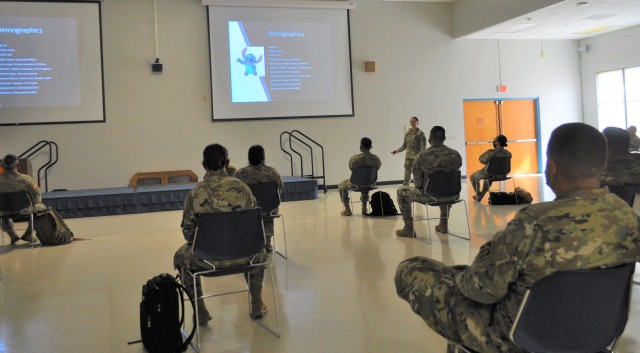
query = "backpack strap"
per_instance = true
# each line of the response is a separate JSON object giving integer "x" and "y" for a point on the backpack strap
{"x": 181, "y": 288}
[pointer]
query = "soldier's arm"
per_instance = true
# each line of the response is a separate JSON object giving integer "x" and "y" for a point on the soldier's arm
{"x": 351, "y": 162}
{"x": 418, "y": 177}
{"x": 34, "y": 193}
{"x": 404, "y": 145}
{"x": 484, "y": 158}
{"x": 496, "y": 266}
{"x": 423, "y": 142}
{"x": 188, "y": 224}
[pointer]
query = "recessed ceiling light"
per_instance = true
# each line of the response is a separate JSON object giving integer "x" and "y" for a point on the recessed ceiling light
{"x": 582, "y": 4}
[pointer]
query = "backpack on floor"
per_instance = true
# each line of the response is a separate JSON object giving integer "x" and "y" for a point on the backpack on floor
{"x": 382, "y": 205}
{"x": 51, "y": 229}
{"x": 161, "y": 317}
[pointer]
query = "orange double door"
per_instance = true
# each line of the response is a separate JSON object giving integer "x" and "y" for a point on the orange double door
{"x": 515, "y": 118}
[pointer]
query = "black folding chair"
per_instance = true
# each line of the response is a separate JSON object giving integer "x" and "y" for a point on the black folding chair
{"x": 363, "y": 180}
{"x": 573, "y": 311}
{"x": 442, "y": 186}
{"x": 498, "y": 169}
{"x": 267, "y": 195}
{"x": 627, "y": 192}
{"x": 230, "y": 235}
{"x": 18, "y": 207}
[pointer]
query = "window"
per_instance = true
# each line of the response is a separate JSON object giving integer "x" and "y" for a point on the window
{"x": 619, "y": 98}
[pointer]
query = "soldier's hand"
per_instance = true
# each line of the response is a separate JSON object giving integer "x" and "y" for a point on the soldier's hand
{"x": 394, "y": 152}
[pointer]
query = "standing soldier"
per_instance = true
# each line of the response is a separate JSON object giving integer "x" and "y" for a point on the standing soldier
{"x": 258, "y": 172}
{"x": 363, "y": 159}
{"x": 437, "y": 157}
{"x": 585, "y": 227}
{"x": 498, "y": 150}
{"x": 414, "y": 143}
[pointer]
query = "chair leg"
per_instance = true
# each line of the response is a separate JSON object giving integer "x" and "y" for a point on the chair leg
{"x": 197, "y": 323}
{"x": 467, "y": 218}
{"x": 2, "y": 230}
{"x": 284, "y": 240}
{"x": 514, "y": 189}
{"x": 413, "y": 212}
{"x": 31, "y": 229}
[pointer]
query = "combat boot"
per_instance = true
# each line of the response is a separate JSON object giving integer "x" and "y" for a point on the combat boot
{"x": 443, "y": 227}
{"x": 27, "y": 236}
{"x": 407, "y": 231}
{"x": 203, "y": 313}
{"x": 365, "y": 210}
{"x": 14, "y": 237}
{"x": 258, "y": 309}
{"x": 347, "y": 210}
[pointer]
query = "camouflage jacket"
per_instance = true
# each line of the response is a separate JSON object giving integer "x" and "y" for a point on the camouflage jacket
{"x": 253, "y": 174}
{"x": 621, "y": 170}
{"x": 435, "y": 158}
{"x": 218, "y": 192}
{"x": 12, "y": 181}
{"x": 579, "y": 230}
{"x": 493, "y": 152}
{"x": 414, "y": 143}
{"x": 634, "y": 143}
{"x": 365, "y": 159}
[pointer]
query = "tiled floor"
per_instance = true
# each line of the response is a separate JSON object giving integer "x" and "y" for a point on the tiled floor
{"x": 335, "y": 292}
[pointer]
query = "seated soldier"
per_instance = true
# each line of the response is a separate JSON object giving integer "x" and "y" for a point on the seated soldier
{"x": 437, "y": 157}
{"x": 476, "y": 305}
{"x": 634, "y": 143}
{"x": 498, "y": 150}
{"x": 258, "y": 172}
{"x": 218, "y": 192}
{"x": 621, "y": 168}
{"x": 364, "y": 159}
{"x": 12, "y": 181}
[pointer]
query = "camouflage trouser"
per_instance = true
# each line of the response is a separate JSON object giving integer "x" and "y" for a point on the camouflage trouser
{"x": 408, "y": 168}
{"x": 343, "y": 189}
{"x": 480, "y": 174}
{"x": 185, "y": 258}
{"x": 429, "y": 287}
{"x": 409, "y": 194}
{"x": 7, "y": 224}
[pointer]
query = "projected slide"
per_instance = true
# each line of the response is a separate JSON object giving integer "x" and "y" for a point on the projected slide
{"x": 280, "y": 62}
{"x": 273, "y": 63}
{"x": 39, "y": 62}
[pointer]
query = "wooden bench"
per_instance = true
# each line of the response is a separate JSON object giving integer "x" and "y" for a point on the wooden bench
{"x": 163, "y": 178}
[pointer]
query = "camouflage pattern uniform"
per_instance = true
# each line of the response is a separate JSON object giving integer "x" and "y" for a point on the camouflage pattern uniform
{"x": 634, "y": 143}
{"x": 621, "y": 170}
{"x": 482, "y": 173}
{"x": 414, "y": 143}
{"x": 254, "y": 174}
{"x": 438, "y": 157}
{"x": 12, "y": 181}
{"x": 218, "y": 192}
{"x": 364, "y": 159}
{"x": 475, "y": 305}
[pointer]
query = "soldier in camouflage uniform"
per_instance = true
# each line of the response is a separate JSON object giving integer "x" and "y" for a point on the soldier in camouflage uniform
{"x": 218, "y": 192}
{"x": 12, "y": 181}
{"x": 257, "y": 172}
{"x": 498, "y": 150}
{"x": 634, "y": 144}
{"x": 585, "y": 227}
{"x": 437, "y": 157}
{"x": 363, "y": 159}
{"x": 414, "y": 143}
{"x": 621, "y": 168}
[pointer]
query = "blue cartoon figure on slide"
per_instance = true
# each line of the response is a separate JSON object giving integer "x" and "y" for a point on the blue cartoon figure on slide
{"x": 249, "y": 63}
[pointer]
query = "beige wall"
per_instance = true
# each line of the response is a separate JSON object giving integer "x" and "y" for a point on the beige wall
{"x": 162, "y": 122}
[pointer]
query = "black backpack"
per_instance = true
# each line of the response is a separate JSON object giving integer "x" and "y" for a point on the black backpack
{"x": 160, "y": 316}
{"x": 382, "y": 205}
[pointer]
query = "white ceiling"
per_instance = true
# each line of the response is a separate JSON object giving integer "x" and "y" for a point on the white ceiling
{"x": 565, "y": 20}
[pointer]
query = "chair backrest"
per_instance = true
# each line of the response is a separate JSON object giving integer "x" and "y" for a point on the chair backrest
{"x": 229, "y": 235}
{"x": 14, "y": 202}
{"x": 574, "y": 311}
{"x": 364, "y": 176}
{"x": 267, "y": 195}
{"x": 443, "y": 184}
{"x": 627, "y": 192}
{"x": 499, "y": 166}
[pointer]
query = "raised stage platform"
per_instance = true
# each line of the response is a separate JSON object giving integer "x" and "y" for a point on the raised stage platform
{"x": 127, "y": 200}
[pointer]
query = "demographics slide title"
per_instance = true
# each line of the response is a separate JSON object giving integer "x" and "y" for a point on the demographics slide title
{"x": 23, "y": 30}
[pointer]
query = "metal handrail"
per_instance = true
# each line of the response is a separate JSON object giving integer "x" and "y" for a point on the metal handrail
{"x": 52, "y": 161}
{"x": 291, "y": 135}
